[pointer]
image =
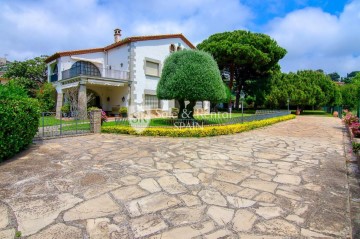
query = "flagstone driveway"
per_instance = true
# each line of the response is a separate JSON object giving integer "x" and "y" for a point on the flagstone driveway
{"x": 283, "y": 181}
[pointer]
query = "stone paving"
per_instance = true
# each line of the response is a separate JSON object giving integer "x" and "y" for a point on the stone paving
{"x": 283, "y": 181}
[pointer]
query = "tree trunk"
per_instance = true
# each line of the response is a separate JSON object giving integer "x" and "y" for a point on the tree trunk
{"x": 232, "y": 73}
{"x": 182, "y": 107}
{"x": 190, "y": 109}
{"x": 186, "y": 112}
{"x": 237, "y": 103}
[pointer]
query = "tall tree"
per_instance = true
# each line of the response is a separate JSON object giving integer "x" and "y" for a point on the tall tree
{"x": 32, "y": 69}
{"x": 251, "y": 58}
{"x": 334, "y": 76}
{"x": 304, "y": 88}
{"x": 190, "y": 76}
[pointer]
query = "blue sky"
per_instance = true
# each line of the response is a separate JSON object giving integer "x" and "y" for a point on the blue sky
{"x": 318, "y": 34}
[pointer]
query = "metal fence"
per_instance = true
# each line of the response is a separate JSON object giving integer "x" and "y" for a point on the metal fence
{"x": 331, "y": 109}
{"x": 201, "y": 120}
{"x": 51, "y": 125}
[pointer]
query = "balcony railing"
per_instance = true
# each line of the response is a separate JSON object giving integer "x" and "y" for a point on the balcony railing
{"x": 102, "y": 73}
{"x": 53, "y": 77}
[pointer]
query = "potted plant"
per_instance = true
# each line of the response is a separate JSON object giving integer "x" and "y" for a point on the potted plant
{"x": 123, "y": 111}
{"x": 174, "y": 111}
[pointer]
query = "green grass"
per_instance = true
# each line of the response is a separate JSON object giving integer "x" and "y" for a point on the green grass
{"x": 222, "y": 117}
{"x": 79, "y": 126}
{"x": 52, "y": 121}
{"x": 313, "y": 113}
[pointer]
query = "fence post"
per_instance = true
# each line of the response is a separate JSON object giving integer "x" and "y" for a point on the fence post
{"x": 42, "y": 114}
{"x": 95, "y": 121}
{"x": 60, "y": 123}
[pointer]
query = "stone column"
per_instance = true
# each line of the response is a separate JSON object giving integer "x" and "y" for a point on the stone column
{"x": 59, "y": 103}
{"x": 82, "y": 100}
{"x": 95, "y": 121}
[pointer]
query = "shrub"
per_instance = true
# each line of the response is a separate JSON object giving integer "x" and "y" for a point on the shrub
{"x": 65, "y": 108}
{"x": 46, "y": 96}
{"x": 350, "y": 118}
{"x": 355, "y": 147}
{"x": 355, "y": 128}
{"x": 93, "y": 108}
{"x": 123, "y": 110}
{"x": 19, "y": 120}
{"x": 196, "y": 132}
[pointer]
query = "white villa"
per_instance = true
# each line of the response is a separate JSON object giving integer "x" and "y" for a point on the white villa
{"x": 124, "y": 73}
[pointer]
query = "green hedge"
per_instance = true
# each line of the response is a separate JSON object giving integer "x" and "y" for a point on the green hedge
{"x": 19, "y": 120}
{"x": 196, "y": 132}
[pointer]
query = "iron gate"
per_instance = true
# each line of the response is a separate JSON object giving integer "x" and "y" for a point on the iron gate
{"x": 73, "y": 123}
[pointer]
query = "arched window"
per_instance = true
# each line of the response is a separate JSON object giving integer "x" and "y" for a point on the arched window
{"x": 179, "y": 48}
{"x": 172, "y": 48}
{"x": 84, "y": 68}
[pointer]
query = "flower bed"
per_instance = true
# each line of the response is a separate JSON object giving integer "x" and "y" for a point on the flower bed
{"x": 353, "y": 126}
{"x": 196, "y": 132}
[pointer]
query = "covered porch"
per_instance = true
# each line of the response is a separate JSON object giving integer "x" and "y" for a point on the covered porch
{"x": 106, "y": 94}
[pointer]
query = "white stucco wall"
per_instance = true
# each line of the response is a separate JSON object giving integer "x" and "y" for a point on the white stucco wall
{"x": 97, "y": 58}
{"x": 118, "y": 56}
{"x": 156, "y": 50}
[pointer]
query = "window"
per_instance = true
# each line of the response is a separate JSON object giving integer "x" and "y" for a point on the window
{"x": 199, "y": 105}
{"x": 172, "y": 48}
{"x": 84, "y": 68}
{"x": 152, "y": 68}
{"x": 152, "y": 101}
{"x": 179, "y": 48}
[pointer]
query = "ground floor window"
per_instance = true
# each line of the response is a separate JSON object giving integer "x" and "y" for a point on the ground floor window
{"x": 199, "y": 105}
{"x": 152, "y": 101}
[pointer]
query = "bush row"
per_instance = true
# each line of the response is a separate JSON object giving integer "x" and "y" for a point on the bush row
{"x": 196, "y": 132}
{"x": 19, "y": 120}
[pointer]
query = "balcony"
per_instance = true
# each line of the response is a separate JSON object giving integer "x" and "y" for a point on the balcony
{"x": 97, "y": 73}
{"x": 53, "y": 77}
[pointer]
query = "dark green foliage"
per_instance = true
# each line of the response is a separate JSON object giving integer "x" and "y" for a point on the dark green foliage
{"x": 192, "y": 76}
{"x": 31, "y": 87}
{"x": 46, "y": 96}
{"x": 350, "y": 95}
{"x": 33, "y": 69}
{"x": 251, "y": 58}
{"x": 19, "y": 120}
{"x": 304, "y": 88}
{"x": 334, "y": 76}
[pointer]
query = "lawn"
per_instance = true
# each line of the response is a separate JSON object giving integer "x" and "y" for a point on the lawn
{"x": 52, "y": 121}
{"x": 313, "y": 113}
{"x": 219, "y": 118}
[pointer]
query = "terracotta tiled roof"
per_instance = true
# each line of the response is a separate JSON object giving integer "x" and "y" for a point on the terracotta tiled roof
{"x": 117, "y": 44}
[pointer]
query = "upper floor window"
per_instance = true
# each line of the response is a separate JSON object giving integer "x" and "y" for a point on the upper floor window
{"x": 55, "y": 69}
{"x": 85, "y": 68}
{"x": 152, "y": 67}
{"x": 172, "y": 48}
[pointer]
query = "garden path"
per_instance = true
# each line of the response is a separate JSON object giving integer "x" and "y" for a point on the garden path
{"x": 287, "y": 180}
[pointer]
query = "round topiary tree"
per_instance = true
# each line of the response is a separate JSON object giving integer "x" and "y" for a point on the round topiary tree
{"x": 190, "y": 75}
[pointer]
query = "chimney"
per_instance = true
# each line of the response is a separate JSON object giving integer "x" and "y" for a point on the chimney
{"x": 117, "y": 35}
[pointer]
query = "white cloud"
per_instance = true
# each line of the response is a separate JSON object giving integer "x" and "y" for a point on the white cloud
{"x": 315, "y": 39}
{"x": 40, "y": 27}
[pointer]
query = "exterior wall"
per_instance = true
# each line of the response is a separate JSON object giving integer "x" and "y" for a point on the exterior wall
{"x": 130, "y": 57}
{"x": 156, "y": 50}
{"x": 117, "y": 58}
